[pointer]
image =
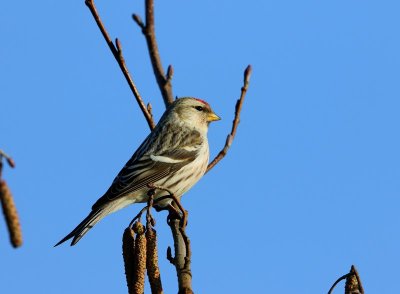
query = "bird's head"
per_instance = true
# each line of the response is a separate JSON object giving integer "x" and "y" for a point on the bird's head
{"x": 194, "y": 112}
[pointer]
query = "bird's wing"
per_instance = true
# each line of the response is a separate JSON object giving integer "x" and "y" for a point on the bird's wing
{"x": 148, "y": 167}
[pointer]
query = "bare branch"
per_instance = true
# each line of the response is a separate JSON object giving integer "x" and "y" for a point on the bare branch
{"x": 117, "y": 52}
{"x": 148, "y": 30}
{"x": 337, "y": 282}
{"x": 181, "y": 260}
{"x": 235, "y": 122}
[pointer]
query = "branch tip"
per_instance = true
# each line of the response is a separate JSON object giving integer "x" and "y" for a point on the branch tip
{"x": 8, "y": 158}
{"x": 118, "y": 45}
{"x": 138, "y": 21}
{"x": 116, "y": 50}
{"x": 170, "y": 73}
{"x": 236, "y": 120}
{"x": 169, "y": 256}
{"x": 89, "y": 3}
{"x": 247, "y": 74}
{"x": 150, "y": 109}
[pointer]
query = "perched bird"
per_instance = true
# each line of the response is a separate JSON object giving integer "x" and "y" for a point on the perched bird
{"x": 173, "y": 156}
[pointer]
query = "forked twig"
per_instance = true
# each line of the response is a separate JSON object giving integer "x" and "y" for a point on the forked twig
{"x": 8, "y": 158}
{"x": 148, "y": 30}
{"x": 117, "y": 52}
{"x": 236, "y": 120}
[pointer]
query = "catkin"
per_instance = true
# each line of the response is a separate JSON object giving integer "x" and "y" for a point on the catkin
{"x": 10, "y": 215}
{"x": 128, "y": 252}
{"x": 153, "y": 271}
{"x": 140, "y": 258}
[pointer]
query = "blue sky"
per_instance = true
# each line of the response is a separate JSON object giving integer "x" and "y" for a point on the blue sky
{"x": 309, "y": 187}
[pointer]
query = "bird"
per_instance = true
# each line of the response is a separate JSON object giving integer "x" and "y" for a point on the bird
{"x": 174, "y": 156}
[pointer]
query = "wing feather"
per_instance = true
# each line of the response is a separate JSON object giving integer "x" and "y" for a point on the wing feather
{"x": 150, "y": 164}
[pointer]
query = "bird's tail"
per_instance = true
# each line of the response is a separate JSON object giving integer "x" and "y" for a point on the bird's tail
{"x": 88, "y": 223}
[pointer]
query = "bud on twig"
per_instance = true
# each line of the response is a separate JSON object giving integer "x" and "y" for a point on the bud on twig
{"x": 10, "y": 215}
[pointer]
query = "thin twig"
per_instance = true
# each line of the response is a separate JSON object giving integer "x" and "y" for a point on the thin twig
{"x": 117, "y": 52}
{"x": 8, "y": 158}
{"x": 337, "y": 282}
{"x": 148, "y": 30}
{"x": 236, "y": 120}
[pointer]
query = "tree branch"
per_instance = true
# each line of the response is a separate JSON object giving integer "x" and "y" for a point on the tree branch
{"x": 148, "y": 30}
{"x": 236, "y": 120}
{"x": 182, "y": 258}
{"x": 177, "y": 220}
{"x": 117, "y": 52}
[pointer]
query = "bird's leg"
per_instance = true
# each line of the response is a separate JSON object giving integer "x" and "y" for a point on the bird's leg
{"x": 173, "y": 213}
{"x": 178, "y": 208}
{"x": 175, "y": 206}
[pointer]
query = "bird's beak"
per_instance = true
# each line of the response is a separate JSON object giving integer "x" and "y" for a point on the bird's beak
{"x": 212, "y": 117}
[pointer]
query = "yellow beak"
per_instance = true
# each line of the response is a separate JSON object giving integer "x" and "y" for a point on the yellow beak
{"x": 212, "y": 117}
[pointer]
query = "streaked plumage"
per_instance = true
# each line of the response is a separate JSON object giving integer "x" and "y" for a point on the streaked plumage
{"x": 174, "y": 156}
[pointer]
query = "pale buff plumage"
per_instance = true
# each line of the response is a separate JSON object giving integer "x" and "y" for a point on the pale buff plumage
{"x": 175, "y": 156}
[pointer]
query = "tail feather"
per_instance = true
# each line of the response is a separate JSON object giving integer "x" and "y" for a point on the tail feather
{"x": 84, "y": 226}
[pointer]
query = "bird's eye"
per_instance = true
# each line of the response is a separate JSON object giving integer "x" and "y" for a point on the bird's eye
{"x": 199, "y": 108}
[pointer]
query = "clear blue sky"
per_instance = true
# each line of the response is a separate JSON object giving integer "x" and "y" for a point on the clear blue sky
{"x": 309, "y": 187}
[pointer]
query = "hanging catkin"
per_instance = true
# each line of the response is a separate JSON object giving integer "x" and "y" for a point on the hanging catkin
{"x": 128, "y": 252}
{"x": 153, "y": 270}
{"x": 140, "y": 259}
{"x": 10, "y": 215}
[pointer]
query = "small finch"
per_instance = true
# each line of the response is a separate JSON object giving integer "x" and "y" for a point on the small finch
{"x": 174, "y": 156}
